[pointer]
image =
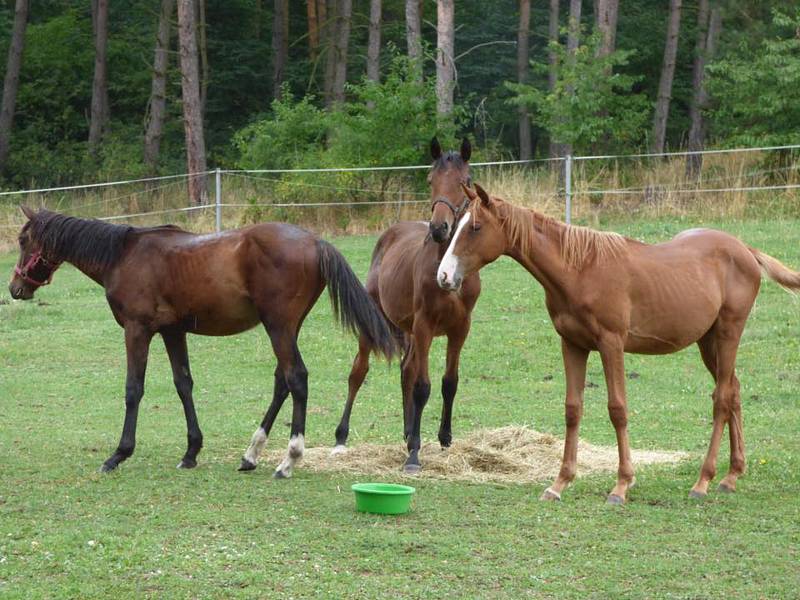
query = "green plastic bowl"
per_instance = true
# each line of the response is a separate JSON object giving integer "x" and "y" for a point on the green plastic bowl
{"x": 383, "y": 498}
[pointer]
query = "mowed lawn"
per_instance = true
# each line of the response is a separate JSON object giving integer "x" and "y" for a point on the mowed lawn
{"x": 149, "y": 530}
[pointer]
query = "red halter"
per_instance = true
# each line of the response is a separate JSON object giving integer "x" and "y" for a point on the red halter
{"x": 34, "y": 261}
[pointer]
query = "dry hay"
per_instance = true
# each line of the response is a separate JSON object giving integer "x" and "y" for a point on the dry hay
{"x": 506, "y": 455}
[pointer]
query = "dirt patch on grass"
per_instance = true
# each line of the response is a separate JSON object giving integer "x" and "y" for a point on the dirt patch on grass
{"x": 506, "y": 455}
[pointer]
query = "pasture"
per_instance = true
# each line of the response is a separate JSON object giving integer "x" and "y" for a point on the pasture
{"x": 151, "y": 530}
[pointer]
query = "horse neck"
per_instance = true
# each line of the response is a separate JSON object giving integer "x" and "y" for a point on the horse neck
{"x": 539, "y": 249}
{"x": 95, "y": 270}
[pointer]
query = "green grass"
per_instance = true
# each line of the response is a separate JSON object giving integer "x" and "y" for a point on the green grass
{"x": 151, "y": 530}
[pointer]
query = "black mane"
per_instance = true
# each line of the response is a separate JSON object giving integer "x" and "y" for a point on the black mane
{"x": 78, "y": 240}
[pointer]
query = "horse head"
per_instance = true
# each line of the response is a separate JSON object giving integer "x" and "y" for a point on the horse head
{"x": 449, "y": 172}
{"x": 33, "y": 269}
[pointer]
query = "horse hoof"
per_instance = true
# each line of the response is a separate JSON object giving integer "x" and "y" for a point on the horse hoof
{"x": 281, "y": 475}
{"x": 107, "y": 468}
{"x": 615, "y": 500}
{"x": 187, "y": 463}
{"x": 725, "y": 488}
{"x": 550, "y": 495}
{"x": 247, "y": 465}
{"x": 411, "y": 469}
{"x": 338, "y": 449}
{"x": 695, "y": 495}
{"x": 445, "y": 442}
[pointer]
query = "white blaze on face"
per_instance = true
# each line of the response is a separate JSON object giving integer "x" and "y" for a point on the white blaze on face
{"x": 257, "y": 444}
{"x": 449, "y": 265}
{"x": 295, "y": 453}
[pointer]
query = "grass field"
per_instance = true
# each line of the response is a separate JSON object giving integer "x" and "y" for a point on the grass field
{"x": 149, "y": 530}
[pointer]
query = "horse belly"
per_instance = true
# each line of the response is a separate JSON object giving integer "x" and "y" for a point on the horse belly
{"x": 215, "y": 311}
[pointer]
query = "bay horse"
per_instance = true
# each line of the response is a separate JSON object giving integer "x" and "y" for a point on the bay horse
{"x": 612, "y": 294}
{"x": 172, "y": 282}
{"x": 402, "y": 282}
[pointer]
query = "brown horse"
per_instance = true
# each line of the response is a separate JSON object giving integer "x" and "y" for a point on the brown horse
{"x": 169, "y": 281}
{"x": 402, "y": 281}
{"x": 612, "y": 294}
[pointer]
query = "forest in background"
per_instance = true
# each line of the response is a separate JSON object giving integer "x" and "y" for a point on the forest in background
{"x": 129, "y": 88}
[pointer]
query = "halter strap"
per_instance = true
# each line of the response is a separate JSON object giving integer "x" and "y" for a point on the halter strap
{"x": 34, "y": 261}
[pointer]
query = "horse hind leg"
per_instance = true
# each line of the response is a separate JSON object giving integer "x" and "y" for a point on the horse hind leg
{"x": 297, "y": 380}
{"x": 259, "y": 440}
{"x": 718, "y": 349}
{"x": 357, "y": 375}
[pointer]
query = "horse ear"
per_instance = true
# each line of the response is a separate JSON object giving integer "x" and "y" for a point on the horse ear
{"x": 466, "y": 149}
{"x": 436, "y": 148}
{"x": 28, "y": 212}
{"x": 469, "y": 192}
{"x": 482, "y": 195}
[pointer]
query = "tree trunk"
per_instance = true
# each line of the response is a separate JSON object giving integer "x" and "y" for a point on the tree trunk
{"x": 445, "y": 53}
{"x": 667, "y": 73}
{"x": 552, "y": 59}
{"x": 705, "y": 47}
{"x": 280, "y": 45}
{"x": 374, "y": 42}
{"x": 329, "y": 36}
{"x": 414, "y": 34}
{"x": 203, "y": 51}
{"x": 11, "y": 83}
{"x": 607, "y": 12}
{"x": 156, "y": 108}
{"x": 192, "y": 115}
{"x": 573, "y": 38}
{"x": 99, "y": 110}
{"x": 523, "y": 60}
{"x": 343, "y": 18}
{"x": 313, "y": 30}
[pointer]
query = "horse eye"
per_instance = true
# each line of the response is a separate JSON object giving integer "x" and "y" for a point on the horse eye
{"x": 476, "y": 227}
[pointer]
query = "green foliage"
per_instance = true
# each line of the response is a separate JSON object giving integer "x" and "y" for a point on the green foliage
{"x": 587, "y": 104}
{"x": 755, "y": 92}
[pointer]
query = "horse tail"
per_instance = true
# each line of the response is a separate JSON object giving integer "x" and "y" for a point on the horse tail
{"x": 777, "y": 271}
{"x": 353, "y": 307}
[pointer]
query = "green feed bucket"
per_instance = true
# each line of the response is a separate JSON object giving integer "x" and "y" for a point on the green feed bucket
{"x": 383, "y": 498}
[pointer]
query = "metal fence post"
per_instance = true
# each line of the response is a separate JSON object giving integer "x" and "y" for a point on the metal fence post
{"x": 568, "y": 187}
{"x": 218, "y": 199}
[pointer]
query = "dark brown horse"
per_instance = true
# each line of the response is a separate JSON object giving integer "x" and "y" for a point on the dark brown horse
{"x": 402, "y": 281}
{"x": 612, "y": 294}
{"x": 169, "y": 281}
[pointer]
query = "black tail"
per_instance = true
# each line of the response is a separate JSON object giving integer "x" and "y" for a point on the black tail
{"x": 352, "y": 306}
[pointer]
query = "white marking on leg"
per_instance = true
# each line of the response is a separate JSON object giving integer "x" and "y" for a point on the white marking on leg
{"x": 257, "y": 443}
{"x": 293, "y": 456}
{"x": 338, "y": 449}
{"x": 449, "y": 265}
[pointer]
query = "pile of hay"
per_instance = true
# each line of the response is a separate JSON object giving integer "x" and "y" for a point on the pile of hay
{"x": 506, "y": 455}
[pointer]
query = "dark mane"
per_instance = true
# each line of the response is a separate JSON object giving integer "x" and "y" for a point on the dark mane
{"x": 78, "y": 240}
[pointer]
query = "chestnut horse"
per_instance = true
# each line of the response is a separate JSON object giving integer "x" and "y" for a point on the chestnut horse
{"x": 166, "y": 280}
{"x": 613, "y": 294}
{"x": 402, "y": 281}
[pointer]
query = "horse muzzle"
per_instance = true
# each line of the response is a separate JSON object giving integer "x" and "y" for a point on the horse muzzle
{"x": 19, "y": 291}
{"x": 451, "y": 283}
{"x": 439, "y": 232}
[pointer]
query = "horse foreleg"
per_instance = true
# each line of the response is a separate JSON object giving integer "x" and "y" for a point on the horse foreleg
{"x": 420, "y": 393}
{"x": 455, "y": 342}
{"x": 613, "y": 357}
{"x": 175, "y": 343}
{"x": 575, "y": 372}
{"x": 357, "y": 374}
{"x": 137, "y": 345}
